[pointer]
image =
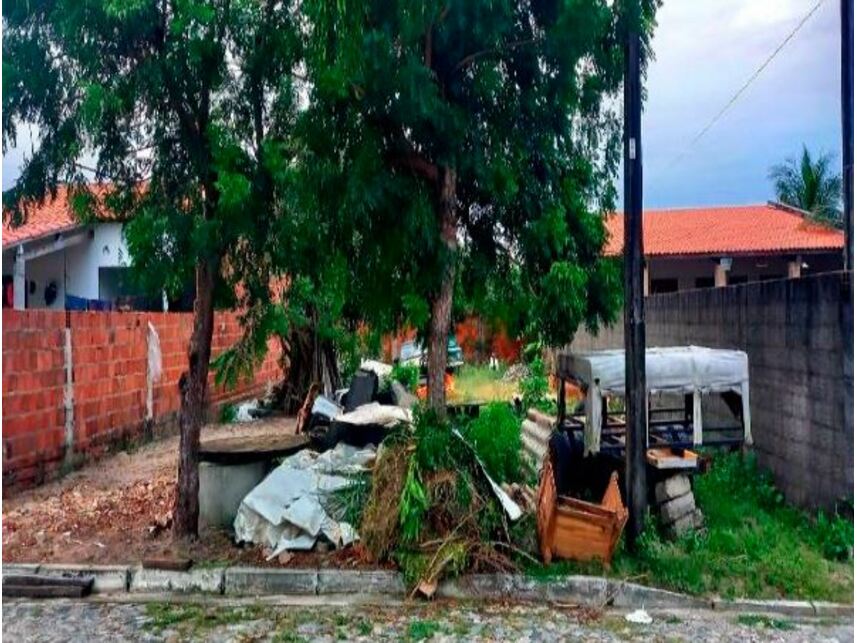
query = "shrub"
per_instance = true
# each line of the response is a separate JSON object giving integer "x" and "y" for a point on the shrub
{"x": 408, "y": 375}
{"x": 835, "y": 536}
{"x": 228, "y": 414}
{"x": 534, "y": 387}
{"x": 496, "y": 437}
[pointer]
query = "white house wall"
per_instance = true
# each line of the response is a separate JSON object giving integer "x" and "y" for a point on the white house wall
{"x": 75, "y": 269}
{"x": 107, "y": 248}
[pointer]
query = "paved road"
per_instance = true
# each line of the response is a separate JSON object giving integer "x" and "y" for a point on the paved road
{"x": 62, "y": 620}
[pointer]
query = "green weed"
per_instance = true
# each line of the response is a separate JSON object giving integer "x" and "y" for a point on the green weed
{"x": 419, "y": 630}
{"x": 754, "y": 544}
{"x": 767, "y": 622}
{"x": 496, "y": 437}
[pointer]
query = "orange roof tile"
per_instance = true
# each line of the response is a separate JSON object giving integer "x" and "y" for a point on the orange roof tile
{"x": 725, "y": 230}
{"x": 51, "y": 217}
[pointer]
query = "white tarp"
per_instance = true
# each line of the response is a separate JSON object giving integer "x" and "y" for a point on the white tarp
{"x": 286, "y": 510}
{"x": 374, "y": 413}
{"x": 681, "y": 369}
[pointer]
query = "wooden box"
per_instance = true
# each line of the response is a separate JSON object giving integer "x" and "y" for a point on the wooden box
{"x": 575, "y": 529}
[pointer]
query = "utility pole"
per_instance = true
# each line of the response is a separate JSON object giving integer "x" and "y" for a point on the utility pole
{"x": 636, "y": 436}
{"x": 847, "y": 29}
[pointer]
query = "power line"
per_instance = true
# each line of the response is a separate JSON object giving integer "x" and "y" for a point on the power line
{"x": 744, "y": 87}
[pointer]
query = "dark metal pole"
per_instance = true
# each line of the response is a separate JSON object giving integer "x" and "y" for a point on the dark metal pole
{"x": 847, "y": 28}
{"x": 636, "y": 438}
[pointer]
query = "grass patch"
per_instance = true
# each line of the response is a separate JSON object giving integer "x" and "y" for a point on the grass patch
{"x": 754, "y": 545}
{"x": 190, "y": 618}
{"x": 767, "y": 622}
{"x": 481, "y": 384}
{"x": 420, "y": 630}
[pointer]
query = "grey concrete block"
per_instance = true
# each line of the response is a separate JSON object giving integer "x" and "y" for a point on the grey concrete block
{"x": 223, "y": 487}
{"x": 20, "y": 568}
{"x": 256, "y": 581}
{"x": 673, "y": 487}
{"x": 107, "y": 578}
{"x": 677, "y": 508}
{"x": 337, "y": 581}
{"x": 162, "y": 580}
{"x": 402, "y": 396}
{"x": 688, "y": 522}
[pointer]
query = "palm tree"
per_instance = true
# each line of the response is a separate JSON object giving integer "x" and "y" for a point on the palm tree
{"x": 810, "y": 185}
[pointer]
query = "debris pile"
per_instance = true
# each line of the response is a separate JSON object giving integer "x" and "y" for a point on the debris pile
{"x": 287, "y": 511}
{"x": 435, "y": 507}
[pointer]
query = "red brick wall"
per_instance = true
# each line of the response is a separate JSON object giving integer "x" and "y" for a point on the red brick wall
{"x": 109, "y": 352}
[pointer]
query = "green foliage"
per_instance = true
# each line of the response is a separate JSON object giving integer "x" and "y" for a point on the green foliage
{"x": 348, "y": 503}
{"x": 413, "y": 505}
{"x": 754, "y": 545}
{"x": 810, "y": 184}
{"x": 436, "y": 446}
{"x": 405, "y": 94}
{"x": 419, "y": 629}
{"x": 408, "y": 375}
{"x": 496, "y": 437}
{"x": 534, "y": 387}
{"x": 835, "y": 536}
{"x": 767, "y": 622}
{"x": 228, "y": 414}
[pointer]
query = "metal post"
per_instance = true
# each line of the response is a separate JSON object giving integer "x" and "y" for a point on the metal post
{"x": 636, "y": 438}
{"x": 847, "y": 72}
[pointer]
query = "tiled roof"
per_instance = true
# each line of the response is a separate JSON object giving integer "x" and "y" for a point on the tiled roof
{"x": 742, "y": 229}
{"x": 51, "y": 217}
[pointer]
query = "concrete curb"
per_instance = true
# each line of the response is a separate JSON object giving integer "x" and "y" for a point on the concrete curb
{"x": 593, "y": 591}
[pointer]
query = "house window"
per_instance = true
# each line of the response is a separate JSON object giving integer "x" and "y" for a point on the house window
{"x": 704, "y": 282}
{"x": 660, "y": 286}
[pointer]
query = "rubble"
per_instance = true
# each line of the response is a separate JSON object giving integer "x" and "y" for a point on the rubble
{"x": 286, "y": 510}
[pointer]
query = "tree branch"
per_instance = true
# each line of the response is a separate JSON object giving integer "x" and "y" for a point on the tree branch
{"x": 470, "y": 59}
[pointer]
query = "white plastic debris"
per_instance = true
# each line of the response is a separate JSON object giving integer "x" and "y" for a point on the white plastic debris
{"x": 640, "y": 617}
{"x": 325, "y": 407}
{"x": 380, "y": 369}
{"x": 286, "y": 510}
{"x": 243, "y": 412}
{"x": 374, "y": 413}
{"x": 510, "y": 506}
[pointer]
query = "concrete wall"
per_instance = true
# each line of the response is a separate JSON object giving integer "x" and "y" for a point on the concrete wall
{"x": 798, "y": 335}
{"x": 45, "y": 432}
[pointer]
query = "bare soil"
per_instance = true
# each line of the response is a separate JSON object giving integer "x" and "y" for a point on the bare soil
{"x": 118, "y": 510}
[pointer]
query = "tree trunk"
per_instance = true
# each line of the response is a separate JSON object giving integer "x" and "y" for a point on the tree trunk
{"x": 441, "y": 306}
{"x": 311, "y": 360}
{"x": 193, "y": 385}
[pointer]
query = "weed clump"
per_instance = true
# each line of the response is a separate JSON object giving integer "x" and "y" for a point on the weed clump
{"x": 432, "y": 510}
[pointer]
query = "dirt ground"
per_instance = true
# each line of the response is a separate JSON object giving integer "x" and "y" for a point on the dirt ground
{"x": 117, "y": 510}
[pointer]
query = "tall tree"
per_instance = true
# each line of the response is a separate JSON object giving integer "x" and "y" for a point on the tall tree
{"x": 480, "y": 139}
{"x": 810, "y": 184}
{"x": 184, "y": 107}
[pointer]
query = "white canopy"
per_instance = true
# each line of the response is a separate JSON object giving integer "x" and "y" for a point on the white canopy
{"x": 681, "y": 369}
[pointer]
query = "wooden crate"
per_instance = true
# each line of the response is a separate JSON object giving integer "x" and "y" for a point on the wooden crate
{"x": 576, "y": 529}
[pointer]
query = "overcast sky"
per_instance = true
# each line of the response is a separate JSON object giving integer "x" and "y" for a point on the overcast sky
{"x": 705, "y": 51}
